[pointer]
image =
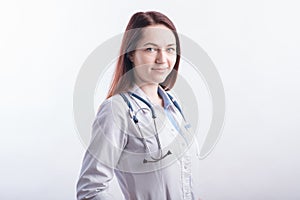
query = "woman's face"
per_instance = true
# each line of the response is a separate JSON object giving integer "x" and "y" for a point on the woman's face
{"x": 155, "y": 55}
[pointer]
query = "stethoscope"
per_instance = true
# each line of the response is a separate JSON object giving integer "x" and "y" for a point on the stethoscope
{"x": 133, "y": 116}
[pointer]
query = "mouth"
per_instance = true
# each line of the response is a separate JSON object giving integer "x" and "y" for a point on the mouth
{"x": 161, "y": 69}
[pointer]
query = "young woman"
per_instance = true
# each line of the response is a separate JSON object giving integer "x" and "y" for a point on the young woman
{"x": 140, "y": 135}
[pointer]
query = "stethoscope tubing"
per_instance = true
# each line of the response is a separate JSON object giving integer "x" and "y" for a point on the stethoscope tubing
{"x": 135, "y": 120}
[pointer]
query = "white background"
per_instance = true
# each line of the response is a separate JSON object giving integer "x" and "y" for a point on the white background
{"x": 254, "y": 45}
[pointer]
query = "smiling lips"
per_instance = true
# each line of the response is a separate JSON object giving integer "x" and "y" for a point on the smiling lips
{"x": 160, "y": 69}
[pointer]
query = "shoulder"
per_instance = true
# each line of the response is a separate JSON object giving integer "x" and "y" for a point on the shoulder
{"x": 112, "y": 107}
{"x": 112, "y": 113}
{"x": 115, "y": 100}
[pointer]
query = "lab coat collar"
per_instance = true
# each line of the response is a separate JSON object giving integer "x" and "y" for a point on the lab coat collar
{"x": 138, "y": 91}
{"x": 167, "y": 101}
{"x": 164, "y": 95}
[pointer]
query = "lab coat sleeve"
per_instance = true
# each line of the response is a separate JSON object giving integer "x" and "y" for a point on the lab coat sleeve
{"x": 105, "y": 148}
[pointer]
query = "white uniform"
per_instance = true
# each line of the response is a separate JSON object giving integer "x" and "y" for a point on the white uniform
{"x": 116, "y": 148}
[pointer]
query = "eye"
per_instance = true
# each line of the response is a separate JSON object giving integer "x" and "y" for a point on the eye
{"x": 171, "y": 50}
{"x": 150, "y": 49}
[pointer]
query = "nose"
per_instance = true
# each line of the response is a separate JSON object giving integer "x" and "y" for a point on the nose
{"x": 161, "y": 56}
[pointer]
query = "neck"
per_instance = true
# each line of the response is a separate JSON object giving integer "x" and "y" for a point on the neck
{"x": 151, "y": 91}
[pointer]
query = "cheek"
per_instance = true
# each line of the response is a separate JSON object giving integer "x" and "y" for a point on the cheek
{"x": 147, "y": 60}
{"x": 172, "y": 61}
{"x": 141, "y": 70}
{"x": 142, "y": 59}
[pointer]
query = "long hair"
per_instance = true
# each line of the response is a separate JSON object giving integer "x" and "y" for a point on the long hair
{"x": 123, "y": 76}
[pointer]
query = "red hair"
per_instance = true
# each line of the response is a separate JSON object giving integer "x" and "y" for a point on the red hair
{"x": 123, "y": 76}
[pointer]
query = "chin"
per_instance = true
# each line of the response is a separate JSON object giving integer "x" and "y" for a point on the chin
{"x": 159, "y": 80}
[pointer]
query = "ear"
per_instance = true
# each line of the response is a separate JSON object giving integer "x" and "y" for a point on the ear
{"x": 130, "y": 56}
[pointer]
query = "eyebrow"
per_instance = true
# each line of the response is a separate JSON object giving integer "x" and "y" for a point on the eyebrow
{"x": 150, "y": 43}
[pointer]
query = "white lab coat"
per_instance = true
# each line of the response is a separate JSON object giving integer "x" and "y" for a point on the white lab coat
{"x": 116, "y": 149}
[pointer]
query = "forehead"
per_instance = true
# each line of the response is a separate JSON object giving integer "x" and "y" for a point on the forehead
{"x": 157, "y": 34}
